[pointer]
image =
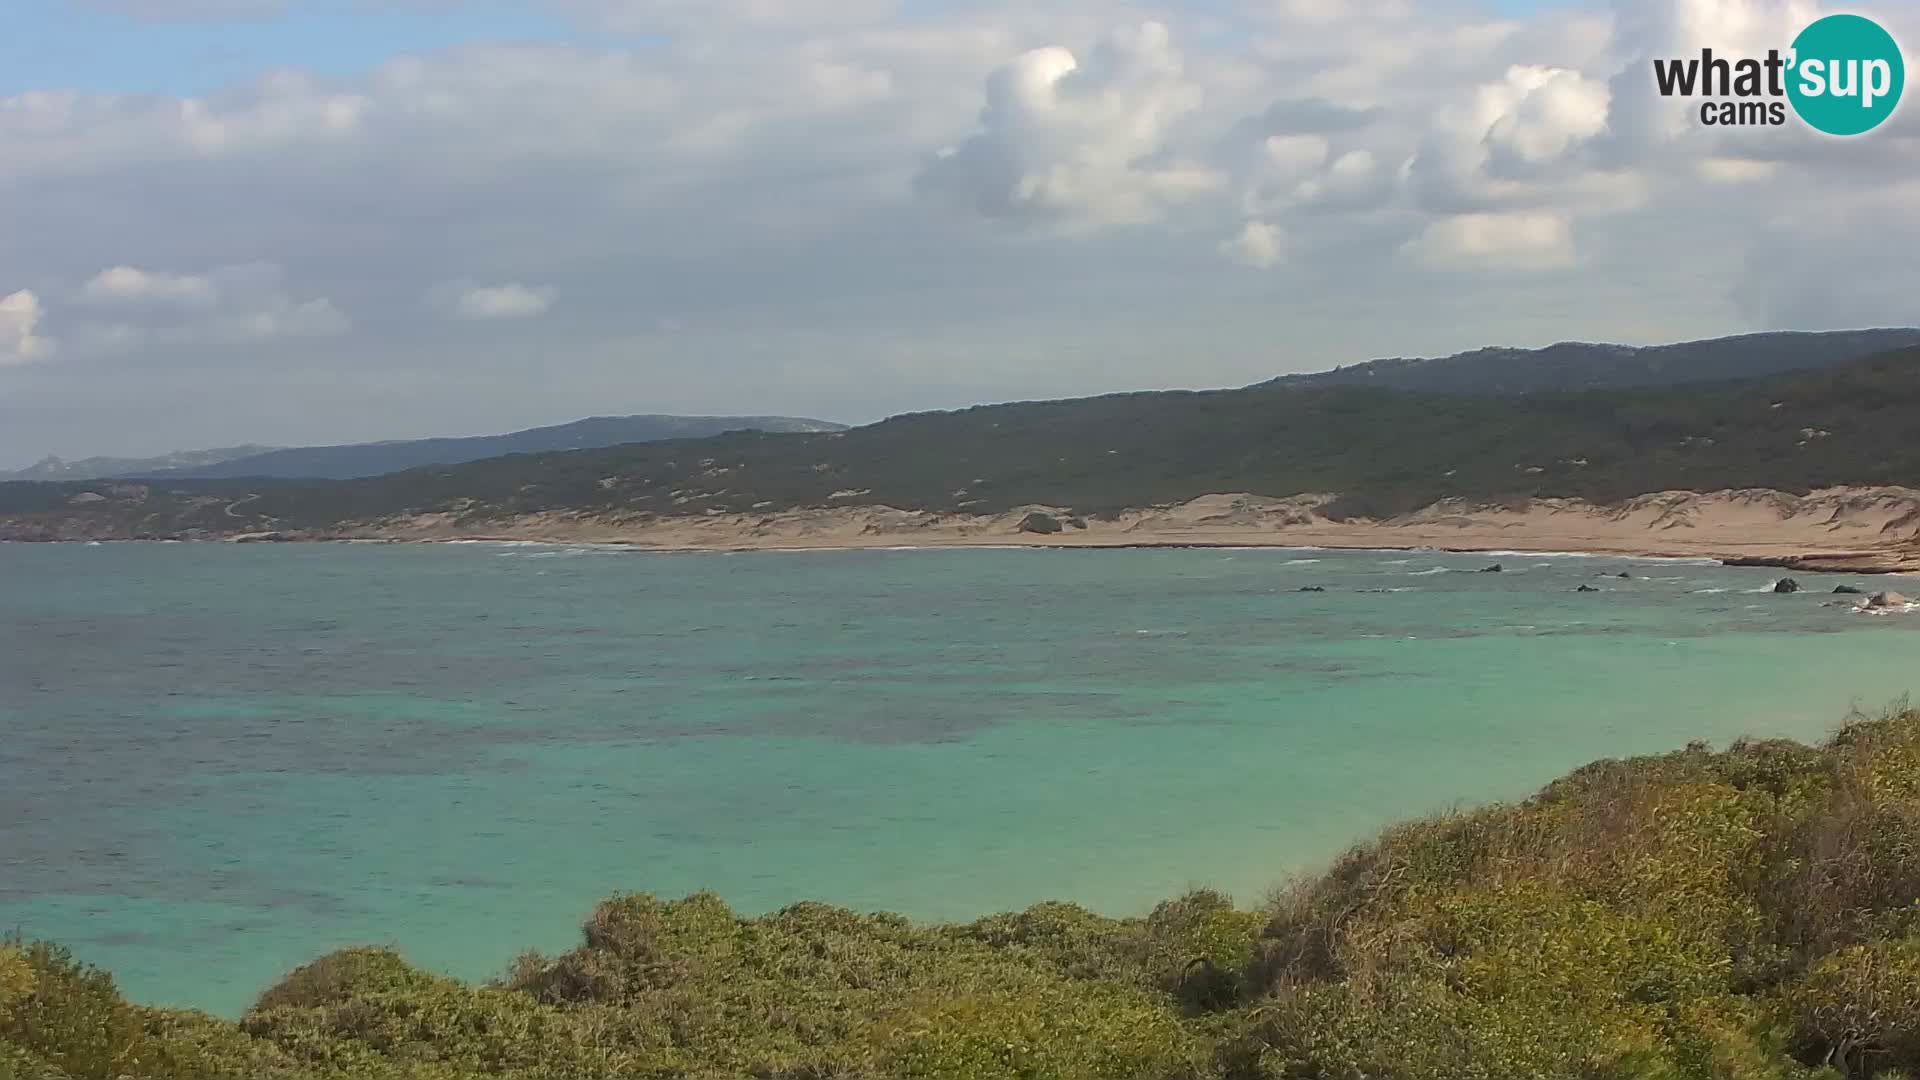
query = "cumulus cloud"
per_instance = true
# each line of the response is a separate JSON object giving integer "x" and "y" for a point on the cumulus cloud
{"x": 131, "y": 286}
{"x": 1259, "y": 245}
{"x": 1312, "y": 115}
{"x": 1087, "y": 142}
{"x": 1518, "y": 240}
{"x": 20, "y": 315}
{"x": 227, "y": 305}
{"x": 491, "y": 302}
{"x": 1649, "y": 29}
{"x": 1539, "y": 113}
{"x": 1501, "y": 146}
{"x": 782, "y": 179}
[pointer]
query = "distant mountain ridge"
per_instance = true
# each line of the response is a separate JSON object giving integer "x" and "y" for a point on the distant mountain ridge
{"x": 1575, "y": 365}
{"x": 355, "y": 460}
{"x": 1495, "y": 371}
{"x": 1382, "y": 451}
{"x": 93, "y": 468}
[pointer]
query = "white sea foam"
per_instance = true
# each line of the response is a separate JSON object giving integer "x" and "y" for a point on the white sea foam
{"x": 1903, "y": 609}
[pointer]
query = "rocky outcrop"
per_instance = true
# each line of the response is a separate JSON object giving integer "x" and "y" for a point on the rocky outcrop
{"x": 1040, "y": 524}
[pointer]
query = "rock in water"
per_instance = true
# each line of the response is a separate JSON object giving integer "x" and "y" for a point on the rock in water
{"x": 1586, "y": 588}
{"x": 1888, "y": 600}
{"x": 1624, "y": 576}
{"x": 1313, "y": 588}
{"x": 1041, "y": 524}
{"x": 1496, "y": 568}
{"x": 1847, "y": 590}
{"x": 1786, "y": 585}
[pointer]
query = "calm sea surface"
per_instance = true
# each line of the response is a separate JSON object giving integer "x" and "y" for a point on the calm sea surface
{"x": 218, "y": 761}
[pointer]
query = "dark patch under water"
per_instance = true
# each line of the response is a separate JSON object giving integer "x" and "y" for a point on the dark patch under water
{"x": 220, "y": 760}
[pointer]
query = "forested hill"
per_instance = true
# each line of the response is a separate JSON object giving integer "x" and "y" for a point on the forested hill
{"x": 1385, "y": 451}
{"x": 1574, "y": 365}
{"x": 372, "y": 459}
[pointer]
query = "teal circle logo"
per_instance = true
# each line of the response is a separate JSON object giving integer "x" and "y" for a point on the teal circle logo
{"x": 1846, "y": 75}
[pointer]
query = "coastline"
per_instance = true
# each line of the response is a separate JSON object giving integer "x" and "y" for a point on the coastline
{"x": 1839, "y": 530}
{"x": 1835, "y": 530}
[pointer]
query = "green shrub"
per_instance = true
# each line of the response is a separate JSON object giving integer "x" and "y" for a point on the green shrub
{"x": 71, "y": 1017}
{"x": 1746, "y": 915}
{"x": 1858, "y": 1009}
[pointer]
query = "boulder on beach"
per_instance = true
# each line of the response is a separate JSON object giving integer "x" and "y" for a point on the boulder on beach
{"x": 1786, "y": 585}
{"x": 1041, "y": 524}
{"x": 1077, "y": 523}
{"x": 1888, "y": 600}
{"x": 1848, "y": 590}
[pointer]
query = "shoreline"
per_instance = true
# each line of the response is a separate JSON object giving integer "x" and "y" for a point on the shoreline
{"x": 1838, "y": 530}
{"x": 1867, "y": 563}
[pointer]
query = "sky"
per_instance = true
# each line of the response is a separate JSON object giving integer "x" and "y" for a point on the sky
{"x": 314, "y": 221}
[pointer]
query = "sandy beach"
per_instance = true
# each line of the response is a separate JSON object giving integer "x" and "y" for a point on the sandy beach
{"x": 1868, "y": 530}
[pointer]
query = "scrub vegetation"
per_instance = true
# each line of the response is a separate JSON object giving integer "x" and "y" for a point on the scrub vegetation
{"x": 1751, "y": 913}
{"x": 1384, "y": 451}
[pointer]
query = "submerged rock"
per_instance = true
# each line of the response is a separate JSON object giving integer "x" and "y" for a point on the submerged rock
{"x": 1848, "y": 590}
{"x": 1786, "y": 585}
{"x": 1496, "y": 568}
{"x": 1624, "y": 576}
{"x": 1313, "y": 588}
{"x": 1586, "y": 588}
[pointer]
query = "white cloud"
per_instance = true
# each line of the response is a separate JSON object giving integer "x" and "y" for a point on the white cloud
{"x": 770, "y": 173}
{"x": 127, "y": 285}
{"x": 1086, "y": 143}
{"x": 1540, "y": 112}
{"x": 1731, "y": 170}
{"x": 510, "y": 301}
{"x": 1649, "y": 29}
{"x": 1259, "y": 245}
{"x": 1510, "y": 142}
{"x": 20, "y": 343}
{"x": 228, "y": 305}
{"x": 1507, "y": 241}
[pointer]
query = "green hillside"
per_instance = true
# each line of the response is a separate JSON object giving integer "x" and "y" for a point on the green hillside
{"x": 1386, "y": 451}
{"x": 1752, "y": 914}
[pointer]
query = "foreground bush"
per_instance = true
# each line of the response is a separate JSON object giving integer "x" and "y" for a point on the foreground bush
{"x": 1746, "y": 915}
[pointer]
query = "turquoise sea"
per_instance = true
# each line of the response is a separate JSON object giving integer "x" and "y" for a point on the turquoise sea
{"x": 218, "y": 761}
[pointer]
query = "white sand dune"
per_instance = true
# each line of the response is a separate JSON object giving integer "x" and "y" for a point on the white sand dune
{"x": 1867, "y": 529}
